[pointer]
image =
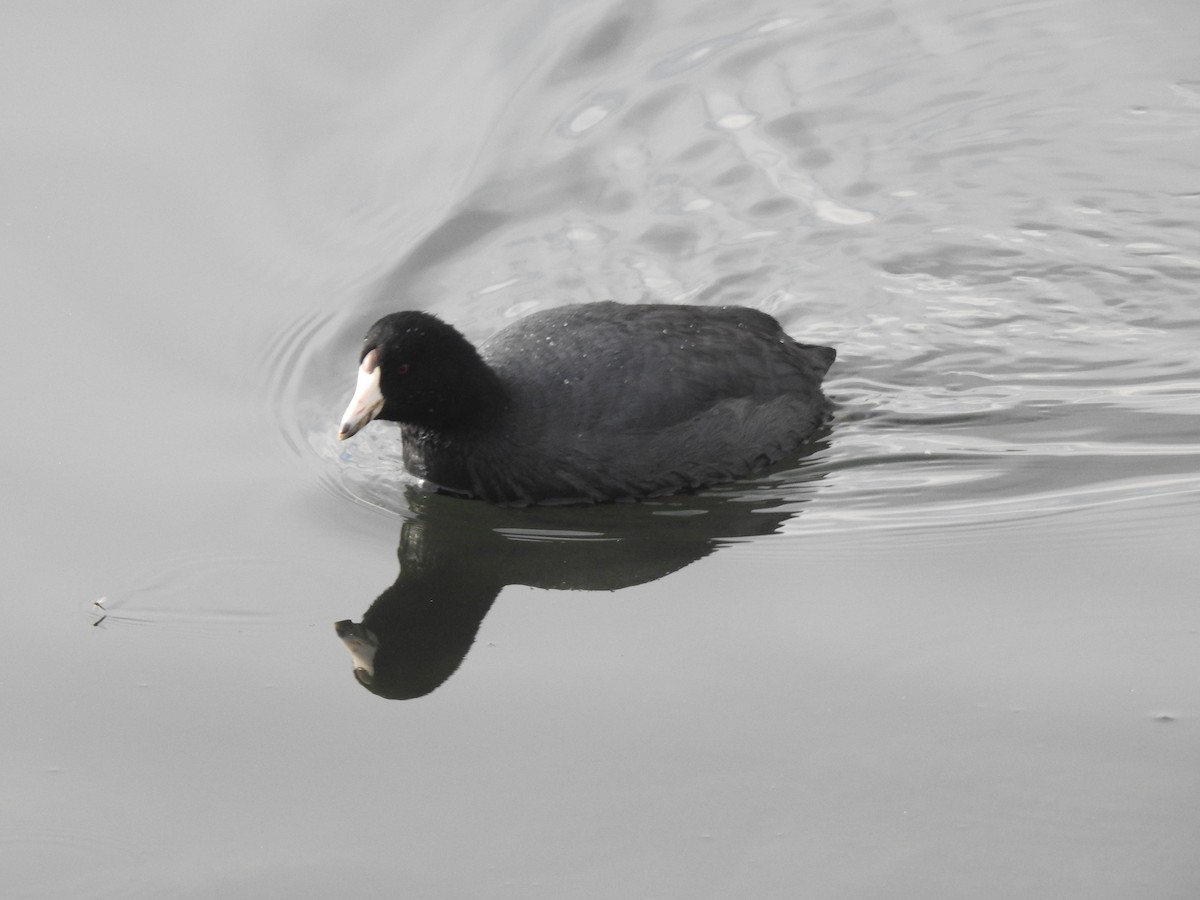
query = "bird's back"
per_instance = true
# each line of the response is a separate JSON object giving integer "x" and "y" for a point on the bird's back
{"x": 633, "y": 368}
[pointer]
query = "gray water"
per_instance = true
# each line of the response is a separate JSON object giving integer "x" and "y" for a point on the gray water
{"x": 951, "y": 651}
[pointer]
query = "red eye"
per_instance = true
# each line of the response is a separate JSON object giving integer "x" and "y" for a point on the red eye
{"x": 402, "y": 369}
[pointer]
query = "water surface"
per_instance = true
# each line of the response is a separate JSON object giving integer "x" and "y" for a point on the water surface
{"x": 951, "y": 650}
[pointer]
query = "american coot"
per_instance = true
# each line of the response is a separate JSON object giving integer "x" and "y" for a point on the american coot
{"x": 591, "y": 402}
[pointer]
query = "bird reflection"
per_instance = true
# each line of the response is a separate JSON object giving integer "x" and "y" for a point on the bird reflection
{"x": 457, "y": 555}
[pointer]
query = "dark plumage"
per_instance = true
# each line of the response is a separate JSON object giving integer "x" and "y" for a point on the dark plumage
{"x": 592, "y": 402}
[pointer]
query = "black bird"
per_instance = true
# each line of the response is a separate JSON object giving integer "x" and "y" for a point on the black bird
{"x": 591, "y": 402}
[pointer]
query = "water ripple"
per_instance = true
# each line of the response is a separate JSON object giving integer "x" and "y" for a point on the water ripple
{"x": 1014, "y": 311}
{"x": 208, "y": 592}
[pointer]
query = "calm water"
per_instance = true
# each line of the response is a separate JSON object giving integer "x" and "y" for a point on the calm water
{"x": 951, "y": 651}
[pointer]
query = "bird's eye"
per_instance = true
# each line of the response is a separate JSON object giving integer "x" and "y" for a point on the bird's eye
{"x": 402, "y": 369}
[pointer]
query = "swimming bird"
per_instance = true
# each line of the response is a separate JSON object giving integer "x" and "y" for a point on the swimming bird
{"x": 591, "y": 402}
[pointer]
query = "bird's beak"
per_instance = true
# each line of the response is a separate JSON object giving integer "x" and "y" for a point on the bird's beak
{"x": 362, "y": 644}
{"x": 367, "y": 402}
